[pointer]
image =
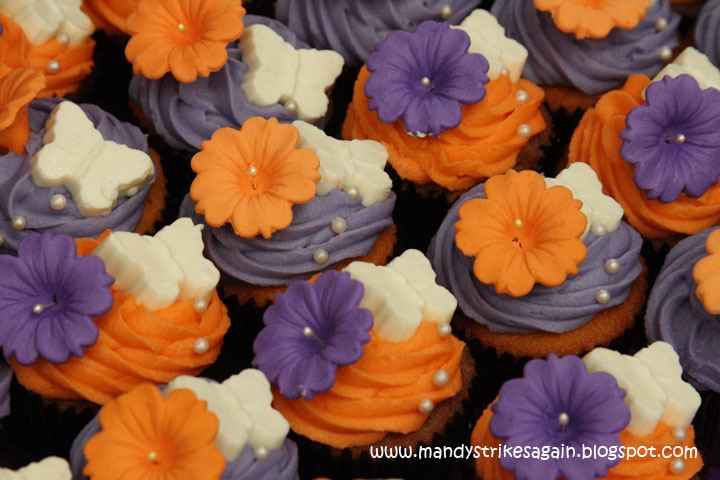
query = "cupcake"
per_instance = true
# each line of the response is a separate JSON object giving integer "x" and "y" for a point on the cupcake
{"x": 240, "y": 67}
{"x": 683, "y": 311}
{"x": 625, "y": 417}
{"x": 706, "y": 31}
{"x": 653, "y": 145}
{"x": 364, "y": 359}
{"x": 281, "y": 203}
{"x": 449, "y": 104}
{"x": 50, "y": 468}
{"x": 71, "y": 169}
{"x": 208, "y": 431}
{"x": 87, "y": 320}
{"x": 578, "y": 51}
{"x": 540, "y": 265}
{"x": 353, "y": 27}
{"x": 52, "y": 38}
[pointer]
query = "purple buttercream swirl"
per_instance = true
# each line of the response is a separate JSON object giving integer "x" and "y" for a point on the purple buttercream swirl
{"x": 20, "y": 196}
{"x": 676, "y": 315}
{"x": 288, "y": 255}
{"x": 5, "y": 379}
{"x": 545, "y": 309}
{"x": 186, "y": 114}
{"x": 707, "y": 31}
{"x": 353, "y": 27}
{"x": 556, "y": 58}
{"x": 281, "y": 464}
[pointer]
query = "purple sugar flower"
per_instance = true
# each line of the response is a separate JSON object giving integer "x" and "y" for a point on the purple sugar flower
{"x": 558, "y": 402}
{"x": 674, "y": 139}
{"x": 310, "y": 331}
{"x": 424, "y": 77}
{"x": 48, "y": 299}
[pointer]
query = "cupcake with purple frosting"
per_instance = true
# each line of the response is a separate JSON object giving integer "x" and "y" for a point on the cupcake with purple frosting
{"x": 283, "y": 202}
{"x": 707, "y": 38}
{"x": 73, "y": 169}
{"x": 210, "y": 430}
{"x": 353, "y": 27}
{"x": 578, "y": 51}
{"x": 253, "y": 66}
{"x": 683, "y": 311}
{"x": 540, "y": 265}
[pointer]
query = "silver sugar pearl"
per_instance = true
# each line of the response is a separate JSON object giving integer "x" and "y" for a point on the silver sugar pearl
{"x": 353, "y": 193}
{"x": 200, "y": 305}
{"x": 64, "y": 39}
{"x": 661, "y": 24}
{"x": 446, "y": 11}
{"x": 441, "y": 378}
{"x": 522, "y": 96}
{"x": 666, "y": 53}
{"x": 18, "y": 222}
{"x": 201, "y": 346}
{"x": 524, "y": 130}
{"x": 339, "y": 225}
{"x": 679, "y": 434}
{"x": 444, "y": 329}
{"x": 680, "y": 138}
{"x": 291, "y": 106}
{"x": 612, "y": 266}
{"x": 308, "y": 332}
{"x": 505, "y": 71}
{"x": 252, "y": 171}
{"x": 38, "y": 308}
{"x": 564, "y": 419}
{"x": 602, "y": 296}
{"x": 426, "y": 406}
{"x": 52, "y": 66}
{"x": 598, "y": 229}
{"x": 677, "y": 466}
{"x": 181, "y": 27}
{"x": 261, "y": 453}
{"x": 425, "y": 81}
{"x": 320, "y": 256}
{"x": 58, "y": 201}
{"x": 302, "y": 391}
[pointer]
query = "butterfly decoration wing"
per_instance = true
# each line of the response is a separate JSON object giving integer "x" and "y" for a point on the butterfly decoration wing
{"x": 317, "y": 71}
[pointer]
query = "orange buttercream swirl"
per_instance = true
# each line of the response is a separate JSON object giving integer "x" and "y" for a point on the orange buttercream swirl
{"x": 380, "y": 393}
{"x": 636, "y": 468}
{"x": 109, "y": 15}
{"x": 134, "y": 346}
{"x": 485, "y": 143}
{"x": 17, "y": 52}
{"x": 596, "y": 142}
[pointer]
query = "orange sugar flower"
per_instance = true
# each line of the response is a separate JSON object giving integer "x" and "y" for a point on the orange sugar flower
{"x": 146, "y": 437}
{"x": 17, "y": 90}
{"x": 252, "y": 177}
{"x": 184, "y": 37}
{"x": 594, "y": 18}
{"x": 522, "y": 233}
{"x": 707, "y": 275}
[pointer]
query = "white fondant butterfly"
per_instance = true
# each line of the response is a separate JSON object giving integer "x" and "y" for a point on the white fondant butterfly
{"x": 345, "y": 164}
{"x": 50, "y": 468}
{"x": 654, "y": 389}
{"x": 487, "y": 37}
{"x": 695, "y": 64}
{"x": 585, "y": 186}
{"x": 242, "y": 404}
{"x": 278, "y": 73}
{"x": 402, "y": 295}
{"x": 159, "y": 270}
{"x": 42, "y": 20}
{"x": 94, "y": 170}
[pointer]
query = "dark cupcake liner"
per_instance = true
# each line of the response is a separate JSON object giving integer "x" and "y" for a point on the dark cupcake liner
{"x": 319, "y": 460}
{"x": 38, "y": 428}
{"x": 707, "y": 429}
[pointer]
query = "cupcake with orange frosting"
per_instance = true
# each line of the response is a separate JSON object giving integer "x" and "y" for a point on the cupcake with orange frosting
{"x": 204, "y": 65}
{"x": 87, "y": 320}
{"x": 283, "y": 202}
{"x": 653, "y": 146}
{"x": 191, "y": 428}
{"x": 541, "y": 265}
{"x": 449, "y": 105}
{"x": 608, "y": 416}
{"x": 364, "y": 359}
{"x": 579, "y": 50}
{"x": 51, "y": 37}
